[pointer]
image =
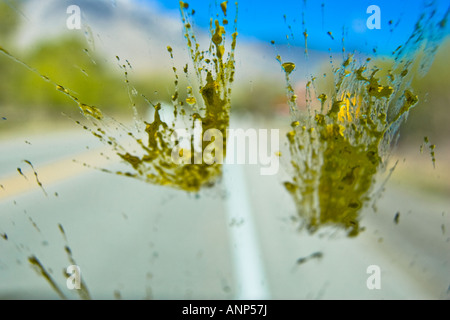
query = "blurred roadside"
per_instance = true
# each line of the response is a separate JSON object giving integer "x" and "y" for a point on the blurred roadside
{"x": 158, "y": 234}
{"x": 85, "y": 63}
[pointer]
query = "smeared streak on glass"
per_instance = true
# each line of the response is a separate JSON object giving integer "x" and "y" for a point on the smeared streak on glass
{"x": 305, "y": 35}
{"x": 87, "y": 110}
{"x": 19, "y": 170}
{"x": 397, "y": 218}
{"x": 391, "y": 29}
{"x": 431, "y": 147}
{"x": 83, "y": 292}
{"x": 35, "y": 226}
{"x": 117, "y": 295}
{"x": 330, "y": 34}
{"x": 83, "y": 71}
{"x": 315, "y": 255}
{"x": 336, "y": 152}
{"x": 432, "y": 154}
{"x": 305, "y": 32}
{"x": 86, "y": 51}
{"x": 61, "y": 229}
{"x": 36, "y": 176}
{"x": 89, "y": 36}
{"x": 291, "y": 33}
{"x": 148, "y": 288}
{"x": 10, "y": 56}
{"x": 17, "y": 10}
{"x": 39, "y": 268}
{"x": 322, "y": 7}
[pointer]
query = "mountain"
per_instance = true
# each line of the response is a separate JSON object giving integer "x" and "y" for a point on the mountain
{"x": 140, "y": 32}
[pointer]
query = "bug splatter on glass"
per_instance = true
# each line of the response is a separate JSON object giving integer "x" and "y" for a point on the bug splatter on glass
{"x": 337, "y": 149}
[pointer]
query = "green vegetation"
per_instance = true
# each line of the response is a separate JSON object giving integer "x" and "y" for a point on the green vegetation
{"x": 26, "y": 98}
{"x": 64, "y": 61}
{"x": 9, "y": 20}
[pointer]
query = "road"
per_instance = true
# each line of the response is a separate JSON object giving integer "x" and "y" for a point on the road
{"x": 133, "y": 240}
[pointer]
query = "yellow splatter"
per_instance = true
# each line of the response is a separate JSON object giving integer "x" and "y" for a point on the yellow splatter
{"x": 337, "y": 151}
{"x": 151, "y": 157}
{"x": 288, "y": 67}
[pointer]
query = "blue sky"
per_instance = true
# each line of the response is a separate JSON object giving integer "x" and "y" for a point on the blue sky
{"x": 264, "y": 21}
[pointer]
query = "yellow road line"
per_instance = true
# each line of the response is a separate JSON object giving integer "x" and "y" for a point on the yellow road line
{"x": 15, "y": 184}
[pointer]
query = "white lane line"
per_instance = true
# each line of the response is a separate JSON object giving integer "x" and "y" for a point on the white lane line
{"x": 251, "y": 280}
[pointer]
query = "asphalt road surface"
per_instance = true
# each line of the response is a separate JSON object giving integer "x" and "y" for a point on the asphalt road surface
{"x": 133, "y": 240}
